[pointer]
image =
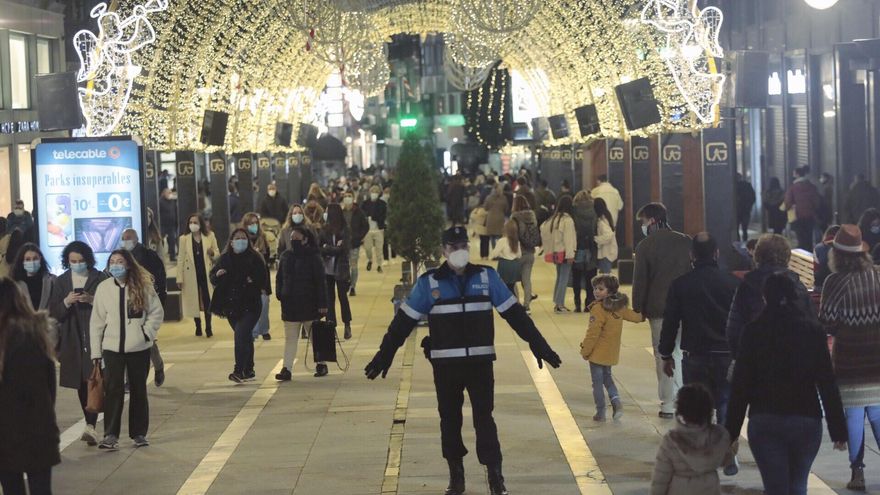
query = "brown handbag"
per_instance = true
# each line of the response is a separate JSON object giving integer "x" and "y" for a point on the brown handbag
{"x": 95, "y": 401}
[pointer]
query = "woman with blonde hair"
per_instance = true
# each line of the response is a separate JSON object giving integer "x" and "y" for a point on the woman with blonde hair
{"x": 251, "y": 223}
{"x": 27, "y": 391}
{"x": 314, "y": 213}
{"x": 317, "y": 194}
{"x": 125, "y": 321}
{"x": 508, "y": 253}
{"x": 296, "y": 217}
{"x": 559, "y": 239}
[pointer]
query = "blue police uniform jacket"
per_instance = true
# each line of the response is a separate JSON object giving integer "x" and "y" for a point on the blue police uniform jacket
{"x": 459, "y": 310}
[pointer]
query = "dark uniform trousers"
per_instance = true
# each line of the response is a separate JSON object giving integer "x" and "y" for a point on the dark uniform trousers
{"x": 450, "y": 381}
{"x": 137, "y": 364}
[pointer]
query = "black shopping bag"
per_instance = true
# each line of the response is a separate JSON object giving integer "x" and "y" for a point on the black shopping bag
{"x": 324, "y": 341}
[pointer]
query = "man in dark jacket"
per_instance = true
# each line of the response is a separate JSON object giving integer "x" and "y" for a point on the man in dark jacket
{"x": 745, "y": 201}
{"x": 376, "y": 211}
{"x": 151, "y": 262}
{"x": 661, "y": 257}
{"x": 168, "y": 221}
{"x": 273, "y": 205}
{"x": 22, "y": 220}
{"x": 862, "y": 195}
{"x": 525, "y": 191}
{"x": 358, "y": 226}
{"x": 699, "y": 302}
{"x": 804, "y": 197}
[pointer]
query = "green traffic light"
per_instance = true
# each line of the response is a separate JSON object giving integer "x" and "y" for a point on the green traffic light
{"x": 409, "y": 122}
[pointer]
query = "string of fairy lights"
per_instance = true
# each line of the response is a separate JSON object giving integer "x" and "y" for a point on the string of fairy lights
{"x": 268, "y": 61}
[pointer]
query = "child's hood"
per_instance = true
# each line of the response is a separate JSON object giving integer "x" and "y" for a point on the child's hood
{"x": 615, "y": 302}
{"x": 701, "y": 447}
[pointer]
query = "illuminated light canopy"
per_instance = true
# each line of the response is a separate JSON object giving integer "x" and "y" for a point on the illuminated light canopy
{"x": 499, "y": 16}
{"x": 464, "y": 77}
{"x": 821, "y": 4}
{"x": 106, "y": 63}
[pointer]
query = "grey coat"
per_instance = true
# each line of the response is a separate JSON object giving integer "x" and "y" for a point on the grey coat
{"x": 48, "y": 282}
{"x": 71, "y": 334}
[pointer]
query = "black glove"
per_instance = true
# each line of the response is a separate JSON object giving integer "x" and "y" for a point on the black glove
{"x": 426, "y": 346}
{"x": 545, "y": 353}
{"x": 378, "y": 365}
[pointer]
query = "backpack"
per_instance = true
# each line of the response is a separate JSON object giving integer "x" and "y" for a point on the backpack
{"x": 529, "y": 235}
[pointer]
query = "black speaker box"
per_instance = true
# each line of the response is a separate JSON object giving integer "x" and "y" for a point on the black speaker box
{"x": 214, "y": 128}
{"x": 59, "y": 102}
{"x": 540, "y": 129}
{"x": 750, "y": 74}
{"x": 283, "y": 134}
{"x": 307, "y": 135}
{"x": 638, "y": 104}
{"x": 558, "y": 126}
{"x": 588, "y": 120}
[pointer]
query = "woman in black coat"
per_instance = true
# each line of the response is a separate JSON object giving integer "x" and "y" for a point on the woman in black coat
{"x": 239, "y": 278}
{"x": 301, "y": 288}
{"x": 335, "y": 245}
{"x": 28, "y": 428}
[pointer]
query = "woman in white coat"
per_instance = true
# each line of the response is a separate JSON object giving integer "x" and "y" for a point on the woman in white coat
{"x": 125, "y": 320}
{"x": 606, "y": 241}
{"x": 198, "y": 248}
{"x": 559, "y": 239}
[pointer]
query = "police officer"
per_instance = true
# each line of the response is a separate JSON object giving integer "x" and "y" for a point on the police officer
{"x": 458, "y": 298}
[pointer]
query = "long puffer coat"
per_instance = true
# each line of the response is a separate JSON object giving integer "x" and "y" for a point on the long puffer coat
{"x": 300, "y": 284}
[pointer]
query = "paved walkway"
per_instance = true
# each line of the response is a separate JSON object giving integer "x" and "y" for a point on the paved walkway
{"x": 345, "y": 435}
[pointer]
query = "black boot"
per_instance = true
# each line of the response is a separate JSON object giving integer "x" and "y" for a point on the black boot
{"x": 456, "y": 477}
{"x": 198, "y": 327}
{"x": 496, "y": 480}
{"x": 321, "y": 370}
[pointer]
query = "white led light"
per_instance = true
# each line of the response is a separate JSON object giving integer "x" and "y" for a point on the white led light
{"x": 821, "y": 4}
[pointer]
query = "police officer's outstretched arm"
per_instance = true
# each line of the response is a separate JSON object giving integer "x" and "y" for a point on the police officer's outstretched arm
{"x": 515, "y": 314}
{"x": 406, "y": 319}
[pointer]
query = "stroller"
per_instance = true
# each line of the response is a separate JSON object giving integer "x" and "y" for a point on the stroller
{"x": 272, "y": 229}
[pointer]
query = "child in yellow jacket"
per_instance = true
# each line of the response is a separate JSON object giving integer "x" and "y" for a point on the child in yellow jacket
{"x": 601, "y": 345}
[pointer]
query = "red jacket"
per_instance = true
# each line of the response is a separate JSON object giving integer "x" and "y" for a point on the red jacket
{"x": 805, "y": 198}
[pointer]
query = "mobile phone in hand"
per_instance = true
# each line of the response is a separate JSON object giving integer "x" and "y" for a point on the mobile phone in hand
{"x": 78, "y": 291}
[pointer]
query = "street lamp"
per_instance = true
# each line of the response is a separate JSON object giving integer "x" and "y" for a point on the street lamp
{"x": 821, "y": 4}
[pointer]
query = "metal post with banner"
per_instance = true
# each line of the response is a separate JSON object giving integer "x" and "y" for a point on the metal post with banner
{"x": 264, "y": 176}
{"x": 89, "y": 190}
{"x": 217, "y": 171}
{"x": 672, "y": 179}
{"x": 244, "y": 170}
{"x": 641, "y": 179}
{"x": 294, "y": 182}
{"x": 306, "y": 173}
{"x": 279, "y": 169}
{"x": 187, "y": 191}
{"x": 617, "y": 178}
{"x": 151, "y": 183}
{"x": 718, "y": 188}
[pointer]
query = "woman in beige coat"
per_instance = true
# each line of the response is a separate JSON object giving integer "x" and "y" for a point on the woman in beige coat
{"x": 559, "y": 239}
{"x": 198, "y": 248}
{"x": 496, "y": 207}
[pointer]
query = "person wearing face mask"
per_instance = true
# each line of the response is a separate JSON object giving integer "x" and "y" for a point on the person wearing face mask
{"x": 239, "y": 277}
{"x": 31, "y": 273}
{"x": 387, "y": 250}
{"x": 70, "y": 304}
{"x": 151, "y": 262}
{"x": 358, "y": 225}
{"x": 377, "y": 211}
{"x": 295, "y": 218}
{"x": 455, "y": 296}
{"x": 251, "y": 223}
{"x": 21, "y": 219}
{"x": 661, "y": 257}
{"x": 124, "y": 323}
{"x": 335, "y": 244}
{"x": 559, "y": 239}
{"x": 168, "y": 221}
{"x": 198, "y": 249}
{"x": 301, "y": 289}
{"x": 273, "y": 205}
{"x": 153, "y": 239}
{"x": 314, "y": 213}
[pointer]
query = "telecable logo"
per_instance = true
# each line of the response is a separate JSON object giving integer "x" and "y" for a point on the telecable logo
{"x": 672, "y": 153}
{"x": 716, "y": 152}
{"x": 615, "y": 154}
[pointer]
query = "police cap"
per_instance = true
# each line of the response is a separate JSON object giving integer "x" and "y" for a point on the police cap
{"x": 455, "y": 235}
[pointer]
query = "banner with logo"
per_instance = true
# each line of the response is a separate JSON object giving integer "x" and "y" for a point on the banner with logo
{"x": 718, "y": 187}
{"x": 306, "y": 173}
{"x": 87, "y": 190}
{"x": 217, "y": 171}
{"x": 294, "y": 182}
{"x": 641, "y": 179}
{"x": 279, "y": 171}
{"x": 187, "y": 192}
{"x": 151, "y": 182}
{"x": 264, "y": 176}
{"x": 244, "y": 170}
{"x": 617, "y": 178}
{"x": 672, "y": 178}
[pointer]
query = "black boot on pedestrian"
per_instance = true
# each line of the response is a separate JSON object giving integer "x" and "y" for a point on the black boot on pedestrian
{"x": 284, "y": 376}
{"x": 198, "y": 327}
{"x": 321, "y": 370}
{"x": 456, "y": 477}
{"x": 208, "y": 332}
{"x": 496, "y": 480}
{"x": 347, "y": 332}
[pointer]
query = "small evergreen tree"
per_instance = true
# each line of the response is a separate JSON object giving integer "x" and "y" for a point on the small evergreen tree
{"x": 415, "y": 218}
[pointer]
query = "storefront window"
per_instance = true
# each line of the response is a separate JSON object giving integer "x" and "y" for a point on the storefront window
{"x": 18, "y": 68}
{"x": 5, "y": 182}
{"x": 44, "y": 56}
{"x": 25, "y": 177}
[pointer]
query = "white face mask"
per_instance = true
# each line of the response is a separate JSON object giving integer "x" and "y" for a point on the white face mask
{"x": 374, "y": 196}
{"x": 325, "y": 216}
{"x": 194, "y": 227}
{"x": 272, "y": 193}
{"x": 645, "y": 230}
{"x": 128, "y": 244}
{"x": 347, "y": 201}
{"x": 459, "y": 259}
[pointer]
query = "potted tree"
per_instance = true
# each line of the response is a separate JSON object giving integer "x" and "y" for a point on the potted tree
{"x": 415, "y": 218}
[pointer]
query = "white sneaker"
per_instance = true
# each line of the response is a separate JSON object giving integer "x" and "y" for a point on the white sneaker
{"x": 90, "y": 436}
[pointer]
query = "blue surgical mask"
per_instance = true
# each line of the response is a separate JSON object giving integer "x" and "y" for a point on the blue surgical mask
{"x": 118, "y": 271}
{"x": 128, "y": 245}
{"x": 297, "y": 218}
{"x": 79, "y": 267}
{"x": 31, "y": 266}
{"x": 325, "y": 216}
{"x": 253, "y": 228}
{"x": 875, "y": 229}
{"x": 240, "y": 245}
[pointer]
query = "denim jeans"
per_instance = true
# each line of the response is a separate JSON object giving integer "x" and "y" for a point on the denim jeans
{"x": 855, "y": 425}
{"x": 602, "y": 380}
{"x": 784, "y": 448}
{"x": 243, "y": 328}
{"x": 261, "y": 326}
{"x": 563, "y": 273}
{"x": 711, "y": 371}
{"x": 528, "y": 261}
{"x": 604, "y": 265}
{"x": 353, "y": 256}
